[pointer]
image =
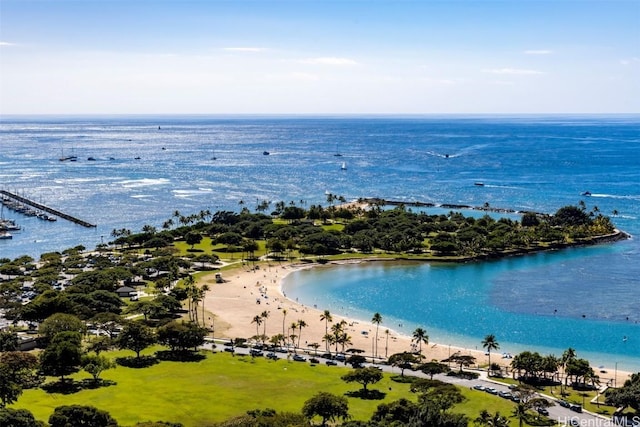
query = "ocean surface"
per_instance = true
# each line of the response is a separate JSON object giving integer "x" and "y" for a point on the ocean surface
{"x": 147, "y": 167}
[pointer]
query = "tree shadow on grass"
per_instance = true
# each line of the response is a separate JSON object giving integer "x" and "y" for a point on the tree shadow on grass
{"x": 69, "y": 386}
{"x": 137, "y": 362}
{"x": 534, "y": 420}
{"x": 180, "y": 356}
{"x": 91, "y": 384}
{"x": 403, "y": 379}
{"x": 367, "y": 394}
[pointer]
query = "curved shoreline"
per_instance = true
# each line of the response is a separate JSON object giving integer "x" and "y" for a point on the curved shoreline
{"x": 234, "y": 305}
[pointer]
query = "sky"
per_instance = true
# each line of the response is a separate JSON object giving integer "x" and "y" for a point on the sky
{"x": 319, "y": 57}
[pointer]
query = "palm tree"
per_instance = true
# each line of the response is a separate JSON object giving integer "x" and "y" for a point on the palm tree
{"x": 284, "y": 317}
{"x": 189, "y": 283}
{"x": 337, "y": 330}
{"x": 344, "y": 340}
{"x": 386, "y": 346}
{"x": 568, "y": 355}
{"x": 490, "y": 343}
{"x": 492, "y": 420}
{"x": 293, "y": 327}
{"x": 257, "y": 319}
{"x": 329, "y": 339}
{"x": 204, "y": 289}
{"x": 265, "y": 316}
{"x": 520, "y": 412}
{"x": 301, "y": 324}
{"x": 326, "y": 316}
{"x": 377, "y": 319}
{"x": 420, "y": 336}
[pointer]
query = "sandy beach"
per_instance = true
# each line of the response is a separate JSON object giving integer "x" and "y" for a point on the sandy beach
{"x": 246, "y": 292}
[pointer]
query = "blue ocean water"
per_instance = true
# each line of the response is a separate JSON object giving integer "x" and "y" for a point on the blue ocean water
{"x": 526, "y": 163}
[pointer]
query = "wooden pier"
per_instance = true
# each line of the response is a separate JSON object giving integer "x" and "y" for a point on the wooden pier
{"x": 47, "y": 209}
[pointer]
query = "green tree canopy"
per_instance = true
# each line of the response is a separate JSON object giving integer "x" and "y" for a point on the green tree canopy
{"x": 181, "y": 336}
{"x": 626, "y": 396}
{"x": 78, "y": 415}
{"x": 363, "y": 376}
{"x": 18, "y": 418}
{"x": 63, "y": 355}
{"x": 60, "y": 322}
{"x": 95, "y": 364}
{"x": 136, "y": 337}
{"x": 327, "y": 406}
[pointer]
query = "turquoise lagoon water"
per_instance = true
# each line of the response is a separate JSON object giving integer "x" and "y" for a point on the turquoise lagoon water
{"x": 526, "y": 163}
{"x": 460, "y": 304}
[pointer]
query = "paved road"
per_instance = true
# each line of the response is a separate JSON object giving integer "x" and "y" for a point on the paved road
{"x": 563, "y": 416}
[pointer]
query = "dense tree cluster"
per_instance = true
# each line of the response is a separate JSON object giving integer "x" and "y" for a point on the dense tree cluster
{"x": 398, "y": 230}
{"x": 627, "y": 396}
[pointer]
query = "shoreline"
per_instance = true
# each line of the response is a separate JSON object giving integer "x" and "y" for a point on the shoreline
{"x": 248, "y": 292}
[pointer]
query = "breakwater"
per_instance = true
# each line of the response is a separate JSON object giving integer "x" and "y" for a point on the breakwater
{"x": 47, "y": 209}
{"x": 486, "y": 207}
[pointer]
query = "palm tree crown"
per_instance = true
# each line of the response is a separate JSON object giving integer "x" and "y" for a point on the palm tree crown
{"x": 490, "y": 343}
{"x": 377, "y": 319}
{"x": 420, "y": 336}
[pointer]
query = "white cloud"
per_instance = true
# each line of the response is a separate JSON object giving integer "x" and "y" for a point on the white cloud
{"x": 6, "y": 44}
{"x": 244, "y": 49}
{"x": 512, "y": 71}
{"x": 629, "y": 61}
{"x": 538, "y": 52}
{"x": 329, "y": 61}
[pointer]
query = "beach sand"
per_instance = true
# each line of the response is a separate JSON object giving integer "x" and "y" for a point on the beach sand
{"x": 246, "y": 293}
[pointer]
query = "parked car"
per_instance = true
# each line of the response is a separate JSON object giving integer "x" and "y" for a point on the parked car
{"x": 491, "y": 390}
{"x": 255, "y": 352}
{"x": 479, "y": 387}
{"x": 340, "y": 357}
{"x": 299, "y": 358}
{"x": 505, "y": 394}
{"x": 575, "y": 408}
{"x": 272, "y": 356}
{"x": 564, "y": 403}
{"x": 543, "y": 411}
{"x": 331, "y": 363}
{"x": 314, "y": 360}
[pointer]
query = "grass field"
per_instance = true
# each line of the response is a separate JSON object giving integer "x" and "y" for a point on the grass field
{"x": 222, "y": 386}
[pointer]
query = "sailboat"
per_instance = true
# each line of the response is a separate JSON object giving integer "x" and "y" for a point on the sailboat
{"x": 337, "y": 152}
{"x": 343, "y": 166}
{"x": 64, "y": 158}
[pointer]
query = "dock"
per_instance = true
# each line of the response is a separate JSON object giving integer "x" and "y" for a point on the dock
{"x": 47, "y": 209}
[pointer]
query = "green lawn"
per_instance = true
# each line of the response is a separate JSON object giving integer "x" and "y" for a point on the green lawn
{"x": 217, "y": 388}
{"x": 222, "y": 386}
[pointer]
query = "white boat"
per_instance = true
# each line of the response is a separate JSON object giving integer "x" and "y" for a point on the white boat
{"x": 343, "y": 166}
{"x": 5, "y": 236}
